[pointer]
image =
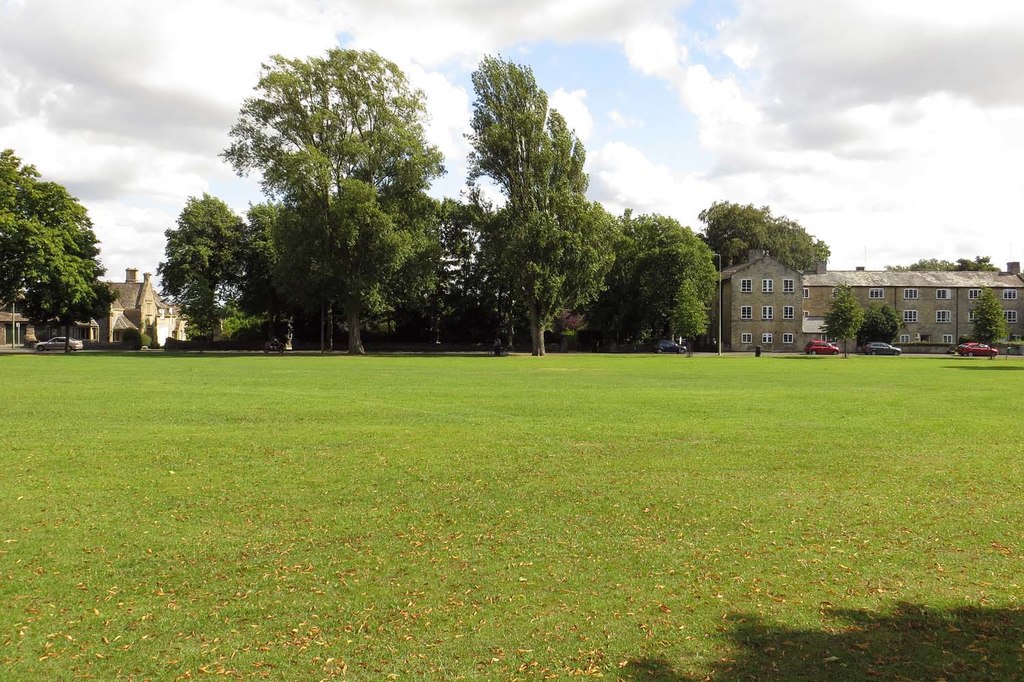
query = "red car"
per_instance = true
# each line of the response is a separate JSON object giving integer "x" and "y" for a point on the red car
{"x": 818, "y": 347}
{"x": 972, "y": 349}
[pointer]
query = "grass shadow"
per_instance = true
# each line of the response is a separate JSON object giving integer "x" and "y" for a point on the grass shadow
{"x": 993, "y": 366}
{"x": 913, "y": 642}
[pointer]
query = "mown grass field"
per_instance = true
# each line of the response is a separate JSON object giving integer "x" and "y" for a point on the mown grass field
{"x": 636, "y": 517}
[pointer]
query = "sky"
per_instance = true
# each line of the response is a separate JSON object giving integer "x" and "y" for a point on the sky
{"x": 893, "y": 131}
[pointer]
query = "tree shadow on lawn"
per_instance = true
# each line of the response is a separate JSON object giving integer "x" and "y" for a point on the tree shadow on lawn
{"x": 912, "y": 642}
{"x": 993, "y": 366}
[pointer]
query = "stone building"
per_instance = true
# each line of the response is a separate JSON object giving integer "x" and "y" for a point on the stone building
{"x": 137, "y": 305}
{"x": 766, "y": 304}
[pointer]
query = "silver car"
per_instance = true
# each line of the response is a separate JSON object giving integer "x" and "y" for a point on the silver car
{"x": 58, "y": 343}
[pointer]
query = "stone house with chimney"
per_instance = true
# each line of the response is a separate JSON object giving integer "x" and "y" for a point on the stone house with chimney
{"x": 766, "y": 304}
{"x": 137, "y": 305}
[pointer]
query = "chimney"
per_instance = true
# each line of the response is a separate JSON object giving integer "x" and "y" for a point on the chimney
{"x": 131, "y": 275}
{"x": 1013, "y": 267}
{"x": 821, "y": 268}
{"x": 754, "y": 254}
{"x": 146, "y": 276}
{"x": 860, "y": 268}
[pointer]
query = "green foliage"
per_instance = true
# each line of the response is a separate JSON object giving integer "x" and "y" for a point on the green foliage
{"x": 48, "y": 248}
{"x": 549, "y": 243}
{"x": 464, "y": 517}
{"x": 989, "y": 323}
{"x": 844, "y": 316}
{"x": 732, "y": 230}
{"x": 320, "y": 128}
{"x": 132, "y": 339}
{"x": 881, "y": 322}
{"x": 202, "y": 259}
{"x": 644, "y": 297}
{"x": 238, "y": 326}
{"x": 977, "y": 264}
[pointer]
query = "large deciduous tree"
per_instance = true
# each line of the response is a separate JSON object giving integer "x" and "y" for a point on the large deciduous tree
{"x": 202, "y": 261}
{"x": 733, "y": 229}
{"x": 844, "y": 317}
{"x": 340, "y": 140}
{"x": 553, "y": 244}
{"x": 976, "y": 264}
{"x": 644, "y": 296}
{"x": 989, "y": 320}
{"x": 48, "y": 249}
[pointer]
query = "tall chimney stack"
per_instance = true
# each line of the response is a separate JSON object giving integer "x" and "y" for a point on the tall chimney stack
{"x": 131, "y": 275}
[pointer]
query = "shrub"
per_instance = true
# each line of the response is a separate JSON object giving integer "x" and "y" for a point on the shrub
{"x": 132, "y": 339}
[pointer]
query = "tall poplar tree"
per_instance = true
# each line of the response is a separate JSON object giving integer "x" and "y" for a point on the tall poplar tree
{"x": 844, "y": 316}
{"x": 551, "y": 243}
{"x": 339, "y": 140}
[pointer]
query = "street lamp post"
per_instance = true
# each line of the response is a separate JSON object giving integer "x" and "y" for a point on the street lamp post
{"x": 719, "y": 257}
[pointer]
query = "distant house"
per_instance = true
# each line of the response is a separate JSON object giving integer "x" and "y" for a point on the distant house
{"x": 137, "y": 305}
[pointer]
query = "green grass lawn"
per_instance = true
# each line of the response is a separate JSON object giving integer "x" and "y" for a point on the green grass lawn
{"x": 638, "y": 517}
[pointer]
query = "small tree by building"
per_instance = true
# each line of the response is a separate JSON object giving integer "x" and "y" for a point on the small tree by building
{"x": 989, "y": 320}
{"x": 881, "y": 323}
{"x": 844, "y": 317}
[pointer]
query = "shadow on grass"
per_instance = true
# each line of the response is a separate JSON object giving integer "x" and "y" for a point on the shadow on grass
{"x": 987, "y": 366}
{"x": 911, "y": 643}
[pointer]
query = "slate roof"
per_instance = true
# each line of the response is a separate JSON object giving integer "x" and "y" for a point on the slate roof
{"x": 907, "y": 278}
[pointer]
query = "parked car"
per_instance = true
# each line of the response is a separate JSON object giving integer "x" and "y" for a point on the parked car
{"x": 819, "y": 347}
{"x": 668, "y": 346}
{"x": 881, "y": 348}
{"x": 58, "y": 343}
{"x": 971, "y": 349}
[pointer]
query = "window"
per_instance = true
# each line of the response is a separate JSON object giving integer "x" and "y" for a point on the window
{"x": 767, "y": 286}
{"x": 973, "y": 294}
{"x": 910, "y": 294}
{"x": 746, "y": 337}
{"x": 834, "y": 292}
{"x": 788, "y": 286}
{"x": 766, "y": 338}
{"x": 788, "y": 339}
{"x": 767, "y": 312}
{"x": 746, "y": 286}
{"x": 1011, "y": 316}
{"x": 972, "y": 316}
{"x": 942, "y": 294}
{"x": 746, "y": 312}
{"x": 910, "y": 316}
{"x": 943, "y": 316}
{"x": 1009, "y": 294}
{"x": 924, "y": 338}
{"x": 876, "y": 293}
{"x": 807, "y": 292}
{"x": 947, "y": 338}
{"x": 788, "y": 312}
{"x": 904, "y": 338}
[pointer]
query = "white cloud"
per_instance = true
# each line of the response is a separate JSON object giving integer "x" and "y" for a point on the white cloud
{"x": 653, "y": 49}
{"x": 573, "y": 107}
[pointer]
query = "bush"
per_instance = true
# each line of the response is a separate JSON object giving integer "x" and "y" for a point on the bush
{"x": 132, "y": 339}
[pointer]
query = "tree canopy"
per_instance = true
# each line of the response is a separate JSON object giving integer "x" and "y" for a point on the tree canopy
{"x": 881, "y": 323}
{"x": 844, "y": 316}
{"x": 48, "y": 248}
{"x": 976, "y": 264}
{"x": 340, "y": 140}
{"x": 550, "y": 242}
{"x": 989, "y": 323}
{"x": 201, "y": 263}
{"x": 733, "y": 229}
{"x": 654, "y": 257}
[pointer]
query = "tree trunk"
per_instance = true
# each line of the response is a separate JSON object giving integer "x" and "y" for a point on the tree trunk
{"x": 322, "y": 305}
{"x": 67, "y": 338}
{"x": 355, "y": 340}
{"x": 330, "y": 327}
{"x": 536, "y": 332}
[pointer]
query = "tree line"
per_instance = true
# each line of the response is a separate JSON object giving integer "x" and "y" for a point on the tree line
{"x": 349, "y": 229}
